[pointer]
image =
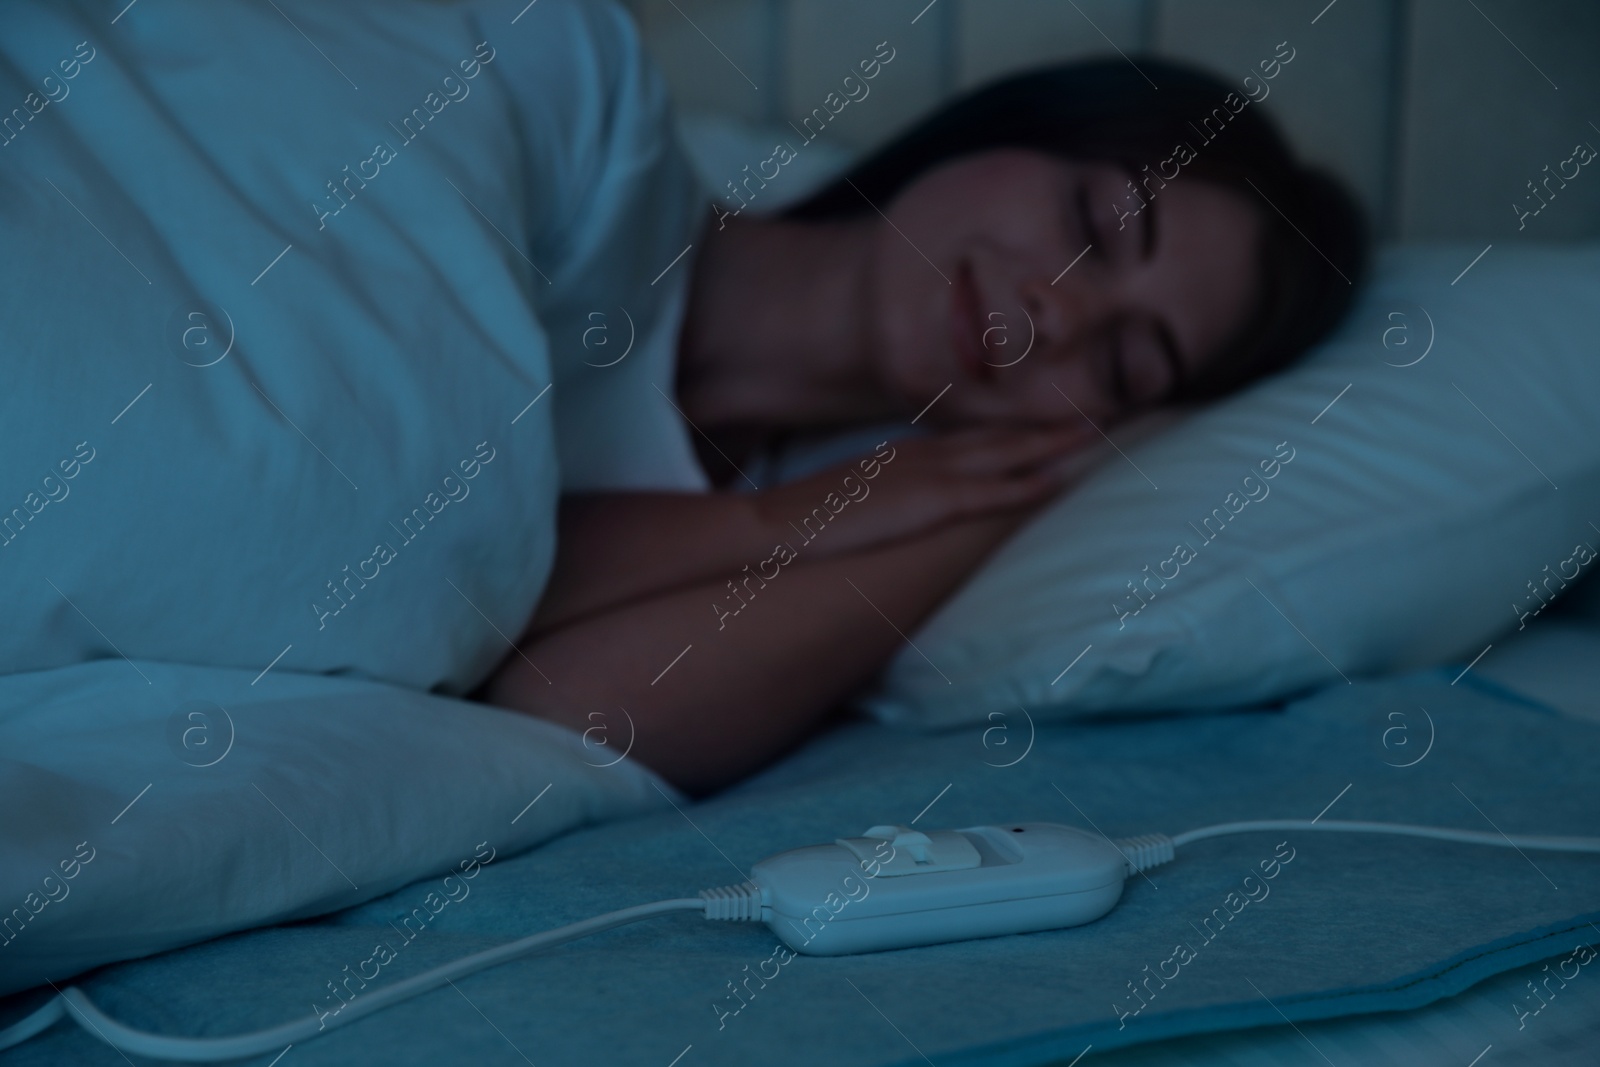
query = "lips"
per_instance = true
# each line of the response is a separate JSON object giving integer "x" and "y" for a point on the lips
{"x": 966, "y": 329}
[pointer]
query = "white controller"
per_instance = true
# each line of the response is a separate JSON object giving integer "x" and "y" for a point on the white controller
{"x": 895, "y": 887}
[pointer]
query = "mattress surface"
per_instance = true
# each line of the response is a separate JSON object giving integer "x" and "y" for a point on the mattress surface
{"x": 1353, "y": 924}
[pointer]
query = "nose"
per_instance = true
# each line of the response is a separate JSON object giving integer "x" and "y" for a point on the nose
{"x": 1066, "y": 312}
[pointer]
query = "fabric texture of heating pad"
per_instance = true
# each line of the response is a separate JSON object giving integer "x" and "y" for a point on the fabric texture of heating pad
{"x": 1350, "y": 924}
{"x": 1447, "y": 1033}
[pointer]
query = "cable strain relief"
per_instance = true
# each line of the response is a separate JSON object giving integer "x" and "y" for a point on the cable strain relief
{"x": 1145, "y": 851}
{"x": 737, "y": 903}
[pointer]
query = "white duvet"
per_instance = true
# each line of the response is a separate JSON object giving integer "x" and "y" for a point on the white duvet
{"x": 310, "y": 312}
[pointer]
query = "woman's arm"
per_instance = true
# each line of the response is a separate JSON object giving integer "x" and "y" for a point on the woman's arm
{"x": 615, "y": 548}
{"x": 711, "y": 703}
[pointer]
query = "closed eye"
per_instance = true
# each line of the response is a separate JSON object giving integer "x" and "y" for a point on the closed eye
{"x": 1169, "y": 354}
{"x": 1086, "y": 218}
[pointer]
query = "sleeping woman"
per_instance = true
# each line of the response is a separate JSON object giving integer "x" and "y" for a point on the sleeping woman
{"x": 1135, "y": 249}
{"x": 400, "y": 253}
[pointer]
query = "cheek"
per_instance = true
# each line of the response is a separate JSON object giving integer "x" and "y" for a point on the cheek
{"x": 1004, "y": 216}
{"x": 938, "y": 212}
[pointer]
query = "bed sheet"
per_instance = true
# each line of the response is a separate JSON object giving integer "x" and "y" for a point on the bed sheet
{"x": 1352, "y": 925}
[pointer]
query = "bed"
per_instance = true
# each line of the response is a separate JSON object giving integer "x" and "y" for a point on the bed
{"x": 1356, "y": 953}
{"x": 228, "y": 888}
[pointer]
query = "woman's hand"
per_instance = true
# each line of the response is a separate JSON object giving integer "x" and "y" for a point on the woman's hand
{"x": 919, "y": 484}
{"x": 614, "y": 548}
{"x": 928, "y": 511}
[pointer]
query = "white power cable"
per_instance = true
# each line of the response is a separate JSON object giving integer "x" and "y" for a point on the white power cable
{"x": 74, "y": 1002}
{"x": 1152, "y": 850}
{"x": 1441, "y": 833}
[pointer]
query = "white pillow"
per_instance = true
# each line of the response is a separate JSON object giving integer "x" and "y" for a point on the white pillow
{"x": 141, "y": 817}
{"x": 1416, "y": 476}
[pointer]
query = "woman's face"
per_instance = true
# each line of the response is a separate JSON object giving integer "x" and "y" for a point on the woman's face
{"x": 1023, "y": 281}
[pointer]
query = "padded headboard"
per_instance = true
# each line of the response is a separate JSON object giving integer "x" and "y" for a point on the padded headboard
{"x": 1438, "y": 113}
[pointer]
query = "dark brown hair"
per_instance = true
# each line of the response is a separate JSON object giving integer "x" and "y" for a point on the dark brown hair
{"x": 1314, "y": 240}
